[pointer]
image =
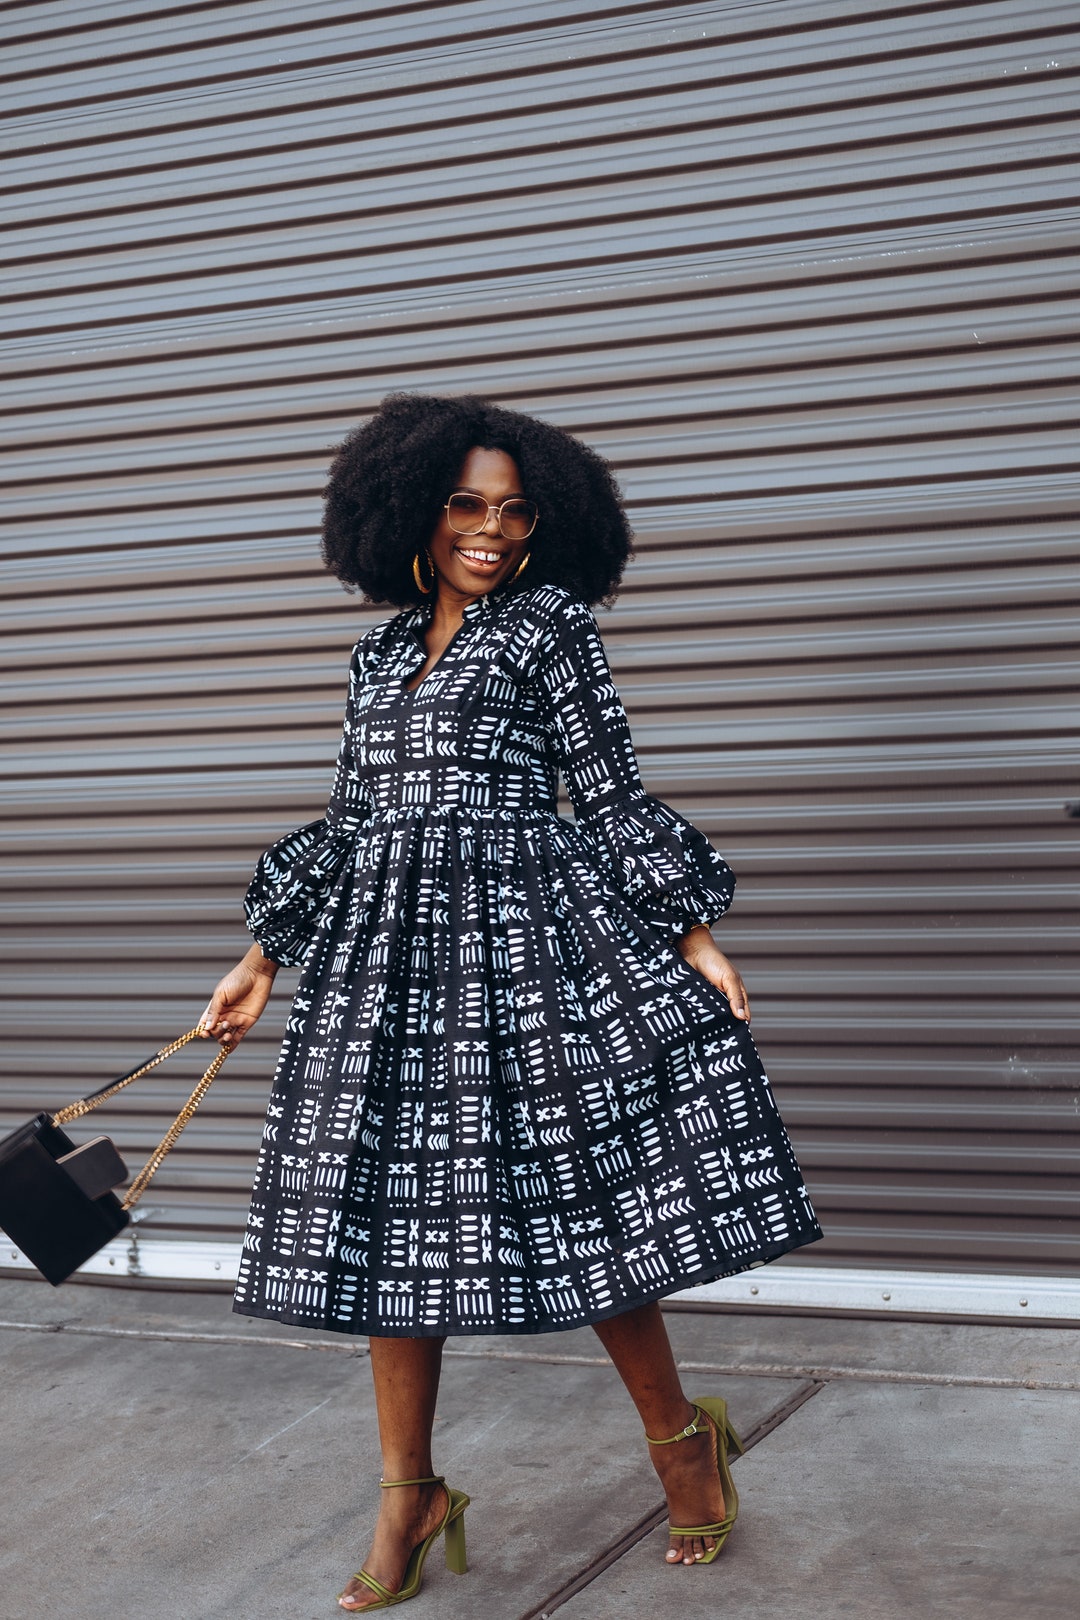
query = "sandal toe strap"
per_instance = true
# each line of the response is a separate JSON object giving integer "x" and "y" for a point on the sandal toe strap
{"x": 375, "y": 1586}
{"x": 698, "y": 1529}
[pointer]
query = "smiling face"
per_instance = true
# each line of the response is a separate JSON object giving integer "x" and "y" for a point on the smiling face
{"x": 468, "y": 566}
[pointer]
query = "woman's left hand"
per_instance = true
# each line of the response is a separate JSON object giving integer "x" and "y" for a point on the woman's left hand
{"x": 700, "y": 949}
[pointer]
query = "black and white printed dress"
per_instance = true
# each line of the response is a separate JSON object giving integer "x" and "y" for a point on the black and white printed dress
{"x": 504, "y": 1103}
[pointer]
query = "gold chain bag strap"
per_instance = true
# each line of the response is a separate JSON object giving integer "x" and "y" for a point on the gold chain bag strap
{"x": 76, "y": 1110}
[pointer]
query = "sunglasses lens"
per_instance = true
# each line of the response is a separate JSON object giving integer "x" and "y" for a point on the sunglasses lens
{"x": 517, "y": 519}
{"x": 467, "y": 513}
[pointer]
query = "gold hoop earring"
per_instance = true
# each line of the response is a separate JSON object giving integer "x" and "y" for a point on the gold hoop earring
{"x": 426, "y": 589}
{"x": 522, "y": 565}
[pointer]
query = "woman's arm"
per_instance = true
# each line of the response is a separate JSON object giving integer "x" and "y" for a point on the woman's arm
{"x": 664, "y": 866}
{"x": 669, "y": 871}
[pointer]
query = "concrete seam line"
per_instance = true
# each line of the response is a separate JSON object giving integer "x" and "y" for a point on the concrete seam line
{"x": 882, "y": 1375}
{"x": 182, "y": 1336}
{"x": 652, "y": 1521}
{"x": 750, "y": 1369}
{"x": 861, "y": 1375}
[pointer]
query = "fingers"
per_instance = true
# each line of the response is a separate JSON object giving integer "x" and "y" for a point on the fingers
{"x": 698, "y": 949}
{"x": 733, "y": 987}
{"x": 236, "y": 1003}
{"x": 214, "y": 1011}
{"x": 229, "y": 1031}
{"x": 230, "y": 1035}
{"x": 220, "y": 1022}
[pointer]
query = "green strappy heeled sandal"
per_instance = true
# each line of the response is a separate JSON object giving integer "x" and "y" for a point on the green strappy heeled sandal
{"x": 452, "y": 1523}
{"x": 710, "y": 1415}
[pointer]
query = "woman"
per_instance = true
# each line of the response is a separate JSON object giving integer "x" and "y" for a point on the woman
{"x": 517, "y": 1091}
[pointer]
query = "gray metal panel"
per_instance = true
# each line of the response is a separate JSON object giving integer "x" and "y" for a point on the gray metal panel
{"x": 808, "y": 273}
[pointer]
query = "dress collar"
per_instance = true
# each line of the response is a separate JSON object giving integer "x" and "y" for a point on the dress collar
{"x": 421, "y": 615}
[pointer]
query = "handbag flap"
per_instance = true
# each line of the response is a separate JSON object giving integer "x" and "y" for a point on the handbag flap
{"x": 44, "y": 1212}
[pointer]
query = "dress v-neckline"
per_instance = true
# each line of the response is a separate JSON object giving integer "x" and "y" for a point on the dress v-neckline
{"x": 410, "y": 691}
{"x": 472, "y": 612}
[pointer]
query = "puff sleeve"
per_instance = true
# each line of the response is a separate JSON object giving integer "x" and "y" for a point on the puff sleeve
{"x": 293, "y": 885}
{"x": 665, "y": 867}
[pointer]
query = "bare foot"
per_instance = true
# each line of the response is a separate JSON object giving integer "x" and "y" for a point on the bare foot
{"x": 691, "y": 1479}
{"x": 407, "y": 1516}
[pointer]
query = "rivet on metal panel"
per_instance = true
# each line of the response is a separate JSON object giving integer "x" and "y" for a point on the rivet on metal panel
{"x": 753, "y": 1290}
{"x": 886, "y": 1296}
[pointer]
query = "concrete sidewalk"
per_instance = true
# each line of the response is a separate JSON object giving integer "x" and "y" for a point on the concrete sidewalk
{"x": 164, "y": 1458}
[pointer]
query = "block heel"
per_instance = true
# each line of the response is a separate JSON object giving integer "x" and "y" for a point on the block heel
{"x": 456, "y": 1559}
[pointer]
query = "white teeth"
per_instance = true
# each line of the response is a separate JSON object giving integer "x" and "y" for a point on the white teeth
{"x": 479, "y": 556}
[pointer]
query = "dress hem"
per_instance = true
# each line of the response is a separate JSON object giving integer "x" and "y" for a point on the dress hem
{"x": 508, "y": 1330}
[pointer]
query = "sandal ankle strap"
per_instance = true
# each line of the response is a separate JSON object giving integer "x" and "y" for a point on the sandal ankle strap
{"x": 700, "y": 1425}
{"x": 392, "y": 1484}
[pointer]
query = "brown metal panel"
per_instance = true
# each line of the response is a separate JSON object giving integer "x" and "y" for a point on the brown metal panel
{"x": 808, "y": 274}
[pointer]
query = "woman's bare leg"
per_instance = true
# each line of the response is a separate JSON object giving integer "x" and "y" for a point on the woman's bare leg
{"x": 406, "y": 1374}
{"x": 638, "y": 1344}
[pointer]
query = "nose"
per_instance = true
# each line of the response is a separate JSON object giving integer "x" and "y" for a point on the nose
{"x": 491, "y": 522}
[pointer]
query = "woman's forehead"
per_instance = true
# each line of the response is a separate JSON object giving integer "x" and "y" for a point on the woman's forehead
{"x": 483, "y": 469}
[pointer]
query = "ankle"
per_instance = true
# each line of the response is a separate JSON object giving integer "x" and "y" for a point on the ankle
{"x": 405, "y": 1507}
{"x": 671, "y": 1433}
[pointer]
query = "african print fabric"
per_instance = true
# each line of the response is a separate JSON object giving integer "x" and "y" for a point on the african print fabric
{"x": 504, "y": 1103}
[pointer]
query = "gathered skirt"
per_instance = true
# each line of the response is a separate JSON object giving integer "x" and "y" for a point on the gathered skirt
{"x": 504, "y": 1103}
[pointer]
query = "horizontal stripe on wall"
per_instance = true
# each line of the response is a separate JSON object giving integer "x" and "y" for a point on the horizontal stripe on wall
{"x": 807, "y": 272}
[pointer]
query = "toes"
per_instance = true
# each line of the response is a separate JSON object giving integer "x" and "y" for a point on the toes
{"x": 689, "y": 1549}
{"x": 355, "y": 1598}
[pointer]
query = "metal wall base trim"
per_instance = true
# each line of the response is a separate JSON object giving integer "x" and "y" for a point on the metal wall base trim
{"x": 147, "y": 1259}
{"x": 897, "y": 1293}
{"x": 820, "y": 1288}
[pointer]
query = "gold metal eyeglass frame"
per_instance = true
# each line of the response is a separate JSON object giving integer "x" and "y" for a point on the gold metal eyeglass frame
{"x": 498, "y": 517}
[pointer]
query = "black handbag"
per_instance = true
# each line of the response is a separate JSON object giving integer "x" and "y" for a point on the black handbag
{"x": 57, "y": 1202}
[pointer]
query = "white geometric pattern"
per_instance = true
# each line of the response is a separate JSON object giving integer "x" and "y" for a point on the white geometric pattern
{"x": 504, "y": 1103}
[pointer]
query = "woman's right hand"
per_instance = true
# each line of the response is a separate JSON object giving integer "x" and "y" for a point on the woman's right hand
{"x": 239, "y": 998}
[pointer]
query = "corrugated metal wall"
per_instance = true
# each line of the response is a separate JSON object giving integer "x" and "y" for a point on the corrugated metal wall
{"x": 807, "y": 270}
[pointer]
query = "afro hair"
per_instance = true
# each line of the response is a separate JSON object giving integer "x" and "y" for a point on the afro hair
{"x": 389, "y": 479}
